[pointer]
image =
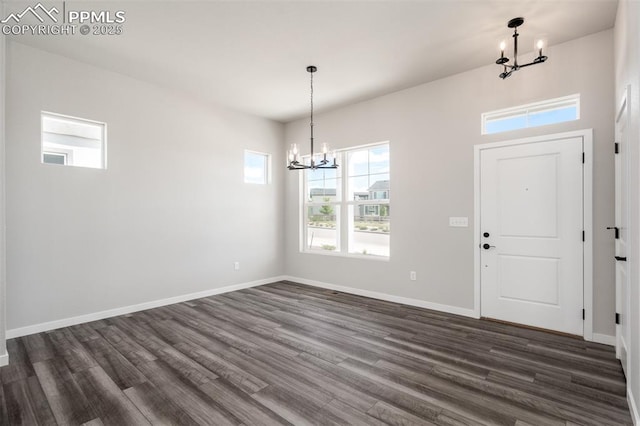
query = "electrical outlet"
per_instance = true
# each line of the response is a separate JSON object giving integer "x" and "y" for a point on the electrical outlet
{"x": 459, "y": 222}
{"x": 236, "y": 266}
{"x": 413, "y": 275}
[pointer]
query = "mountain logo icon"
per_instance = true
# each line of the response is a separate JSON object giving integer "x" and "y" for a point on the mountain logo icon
{"x": 38, "y": 11}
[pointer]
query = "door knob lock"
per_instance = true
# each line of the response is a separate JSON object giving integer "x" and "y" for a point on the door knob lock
{"x": 616, "y": 230}
{"x": 486, "y": 246}
{"x": 486, "y": 235}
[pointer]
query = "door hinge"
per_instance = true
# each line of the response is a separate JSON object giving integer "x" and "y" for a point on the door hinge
{"x": 617, "y": 318}
{"x": 616, "y": 148}
{"x": 583, "y": 314}
{"x": 583, "y": 236}
{"x": 583, "y": 158}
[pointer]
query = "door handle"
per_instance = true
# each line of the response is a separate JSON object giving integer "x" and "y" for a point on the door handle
{"x": 616, "y": 230}
{"x": 620, "y": 258}
{"x": 487, "y": 246}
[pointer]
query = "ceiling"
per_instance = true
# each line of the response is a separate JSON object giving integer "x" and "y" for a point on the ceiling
{"x": 251, "y": 56}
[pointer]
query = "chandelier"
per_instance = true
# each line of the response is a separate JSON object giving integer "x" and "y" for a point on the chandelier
{"x": 503, "y": 60}
{"x": 325, "y": 160}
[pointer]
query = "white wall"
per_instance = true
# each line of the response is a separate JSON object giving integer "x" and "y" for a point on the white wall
{"x": 3, "y": 270}
{"x": 168, "y": 217}
{"x": 432, "y": 129}
{"x": 627, "y": 72}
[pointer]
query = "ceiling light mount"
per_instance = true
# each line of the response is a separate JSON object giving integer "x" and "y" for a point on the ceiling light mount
{"x": 508, "y": 69}
{"x": 325, "y": 160}
{"x": 515, "y": 22}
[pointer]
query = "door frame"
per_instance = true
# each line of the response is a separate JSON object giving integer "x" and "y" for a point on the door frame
{"x": 587, "y": 211}
{"x": 4, "y": 355}
{"x": 623, "y": 108}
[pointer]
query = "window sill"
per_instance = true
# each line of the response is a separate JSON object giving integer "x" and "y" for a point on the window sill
{"x": 347, "y": 255}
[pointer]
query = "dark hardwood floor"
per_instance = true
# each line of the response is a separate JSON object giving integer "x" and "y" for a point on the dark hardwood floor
{"x": 290, "y": 354}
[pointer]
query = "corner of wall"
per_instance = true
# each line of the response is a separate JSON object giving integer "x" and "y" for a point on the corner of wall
{"x": 633, "y": 408}
{"x": 4, "y": 357}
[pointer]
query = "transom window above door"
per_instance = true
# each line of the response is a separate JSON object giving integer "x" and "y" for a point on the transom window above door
{"x": 550, "y": 111}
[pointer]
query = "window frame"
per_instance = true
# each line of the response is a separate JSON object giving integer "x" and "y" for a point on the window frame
{"x": 69, "y": 153}
{"x": 527, "y": 110}
{"x": 267, "y": 172}
{"x": 344, "y": 207}
{"x": 64, "y": 153}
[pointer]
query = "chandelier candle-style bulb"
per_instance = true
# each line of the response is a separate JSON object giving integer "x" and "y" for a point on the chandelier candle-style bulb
{"x": 325, "y": 151}
{"x": 540, "y": 45}
{"x": 293, "y": 153}
{"x": 502, "y": 59}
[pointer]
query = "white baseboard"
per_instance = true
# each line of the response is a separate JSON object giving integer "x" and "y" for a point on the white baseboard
{"x": 633, "y": 407}
{"x": 66, "y": 322}
{"x": 605, "y": 339}
{"x": 4, "y": 359}
{"x": 388, "y": 297}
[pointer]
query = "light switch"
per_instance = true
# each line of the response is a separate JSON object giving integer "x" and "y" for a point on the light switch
{"x": 459, "y": 222}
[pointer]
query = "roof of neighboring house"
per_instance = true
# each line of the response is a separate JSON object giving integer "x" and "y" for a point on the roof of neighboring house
{"x": 327, "y": 192}
{"x": 379, "y": 185}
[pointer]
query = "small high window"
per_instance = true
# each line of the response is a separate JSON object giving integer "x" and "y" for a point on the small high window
{"x": 532, "y": 115}
{"x": 256, "y": 167}
{"x": 71, "y": 141}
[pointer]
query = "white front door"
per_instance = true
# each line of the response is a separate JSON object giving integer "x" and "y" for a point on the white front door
{"x": 622, "y": 237}
{"x": 531, "y": 226}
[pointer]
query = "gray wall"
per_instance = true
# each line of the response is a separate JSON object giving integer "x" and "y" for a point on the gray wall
{"x": 627, "y": 71}
{"x": 3, "y": 270}
{"x": 168, "y": 217}
{"x": 432, "y": 129}
{"x": 171, "y": 214}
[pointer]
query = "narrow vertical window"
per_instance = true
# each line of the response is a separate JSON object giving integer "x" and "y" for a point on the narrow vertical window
{"x": 256, "y": 167}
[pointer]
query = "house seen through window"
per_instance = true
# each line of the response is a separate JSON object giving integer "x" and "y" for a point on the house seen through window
{"x": 70, "y": 141}
{"x": 347, "y": 210}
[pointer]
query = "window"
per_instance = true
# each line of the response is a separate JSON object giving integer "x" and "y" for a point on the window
{"x": 55, "y": 158}
{"x": 346, "y": 210}
{"x": 256, "y": 167}
{"x": 532, "y": 115}
{"x": 70, "y": 141}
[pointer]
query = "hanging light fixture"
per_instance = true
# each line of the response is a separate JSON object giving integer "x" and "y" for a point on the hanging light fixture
{"x": 503, "y": 60}
{"x": 325, "y": 160}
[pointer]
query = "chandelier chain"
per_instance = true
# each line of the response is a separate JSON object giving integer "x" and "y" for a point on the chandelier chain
{"x": 311, "y": 124}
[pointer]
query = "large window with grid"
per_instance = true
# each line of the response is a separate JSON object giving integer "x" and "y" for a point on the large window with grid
{"x": 346, "y": 210}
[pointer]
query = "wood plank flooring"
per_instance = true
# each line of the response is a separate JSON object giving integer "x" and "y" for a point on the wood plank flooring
{"x": 291, "y": 354}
